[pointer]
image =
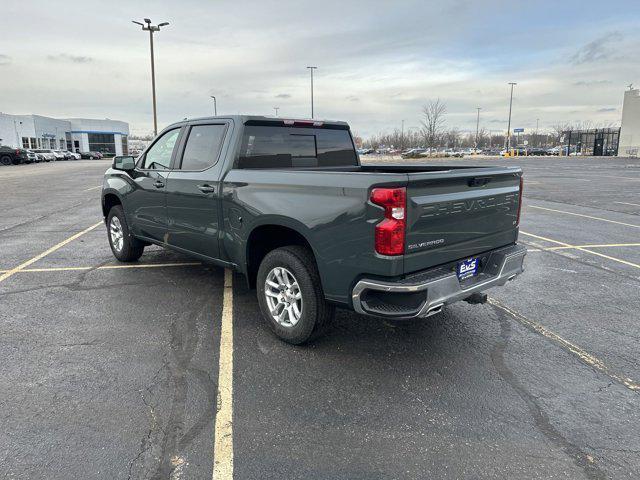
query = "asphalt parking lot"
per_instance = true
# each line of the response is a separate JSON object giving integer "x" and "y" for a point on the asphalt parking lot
{"x": 111, "y": 372}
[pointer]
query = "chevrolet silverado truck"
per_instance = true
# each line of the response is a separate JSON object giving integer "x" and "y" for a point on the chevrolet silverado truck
{"x": 288, "y": 204}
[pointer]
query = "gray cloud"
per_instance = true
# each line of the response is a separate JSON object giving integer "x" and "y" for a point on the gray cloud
{"x": 591, "y": 83}
{"x": 596, "y": 50}
{"x": 65, "y": 57}
{"x": 391, "y": 60}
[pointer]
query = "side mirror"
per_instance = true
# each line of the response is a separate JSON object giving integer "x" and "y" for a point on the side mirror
{"x": 124, "y": 163}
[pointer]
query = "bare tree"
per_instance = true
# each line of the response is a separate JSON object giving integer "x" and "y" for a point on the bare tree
{"x": 452, "y": 137}
{"x": 560, "y": 127}
{"x": 433, "y": 121}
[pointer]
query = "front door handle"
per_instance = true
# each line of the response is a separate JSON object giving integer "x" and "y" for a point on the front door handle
{"x": 158, "y": 184}
{"x": 206, "y": 188}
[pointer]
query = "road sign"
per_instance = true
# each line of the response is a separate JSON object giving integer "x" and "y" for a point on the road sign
{"x": 518, "y": 130}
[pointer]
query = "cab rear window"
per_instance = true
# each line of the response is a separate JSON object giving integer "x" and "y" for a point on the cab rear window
{"x": 292, "y": 147}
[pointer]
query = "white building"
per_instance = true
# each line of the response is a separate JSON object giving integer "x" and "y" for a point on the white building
{"x": 77, "y": 134}
{"x": 630, "y": 130}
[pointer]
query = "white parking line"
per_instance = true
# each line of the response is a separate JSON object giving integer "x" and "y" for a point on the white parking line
{"x": 627, "y": 203}
{"x": 223, "y": 435}
{"x": 92, "y": 188}
{"x": 582, "y": 249}
{"x": 566, "y": 345}
{"x": 24, "y": 265}
{"x": 585, "y": 216}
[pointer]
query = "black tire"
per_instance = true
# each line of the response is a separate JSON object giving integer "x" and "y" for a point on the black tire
{"x": 6, "y": 160}
{"x": 316, "y": 313}
{"x": 132, "y": 248}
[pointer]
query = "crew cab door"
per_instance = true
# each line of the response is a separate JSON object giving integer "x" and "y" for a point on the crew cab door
{"x": 193, "y": 190}
{"x": 146, "y": 204}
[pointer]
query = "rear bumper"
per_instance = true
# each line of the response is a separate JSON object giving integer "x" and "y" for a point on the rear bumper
{"x": 425, "y": 293}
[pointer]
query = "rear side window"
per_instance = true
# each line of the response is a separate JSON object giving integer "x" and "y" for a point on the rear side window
{"x": 291, "y": 147}
{"x": 203, "y": 147}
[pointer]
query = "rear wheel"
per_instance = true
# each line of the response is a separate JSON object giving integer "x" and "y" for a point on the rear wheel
{"x": 125, "y": 247}
{"x": 290, "y": 295}
{"x": 6, "y": 160}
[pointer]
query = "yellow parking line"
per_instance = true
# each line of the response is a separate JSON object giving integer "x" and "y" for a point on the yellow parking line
{"x": 106, "y": 267}
{"x": 223, "y": 435}
{"x": 585, "y": 216}
{"x": 566, "y": 345}
{"x": 92, "y": 188}
{"x": 582, "y": 249}
{"x": 24, "y": 265}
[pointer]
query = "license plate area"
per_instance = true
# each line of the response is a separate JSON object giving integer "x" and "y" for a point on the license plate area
{"x": 467, "y": 268}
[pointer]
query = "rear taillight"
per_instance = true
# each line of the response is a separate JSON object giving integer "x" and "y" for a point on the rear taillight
{"x": 390, "y": 232}
{"x": 520, "y": 200}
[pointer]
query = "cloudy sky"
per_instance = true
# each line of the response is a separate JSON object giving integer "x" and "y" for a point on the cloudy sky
{"x": 378, "y": 61}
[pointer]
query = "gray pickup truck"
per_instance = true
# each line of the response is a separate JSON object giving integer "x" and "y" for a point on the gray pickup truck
{"x": 288, "y": 204}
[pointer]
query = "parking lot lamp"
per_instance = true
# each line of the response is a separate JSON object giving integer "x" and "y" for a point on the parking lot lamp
{"x": 477, "y": 125}
{"x": 215, "y": 106}
{"x": 312, "y": 69}
{"x": 509, "y": 123}
{"x": 151, "y": 29}
{"x": 276, "y": 110}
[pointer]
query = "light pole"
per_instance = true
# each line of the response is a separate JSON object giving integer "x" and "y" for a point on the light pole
{"x": 402, "y": 136}
{"x": 215, "y": 106}
{"x": 477, "y": 125}
{"x": 276, "y": 109}
{"x": 151, "y": 29}
{"x": 509, "y": 124}
{"x": 537, "y": 139}
{"x": 312, "y": 69}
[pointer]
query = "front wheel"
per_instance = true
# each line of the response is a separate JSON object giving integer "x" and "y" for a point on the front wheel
{"x": 6, "y": 160}
{"x": 125, "y": 247}
{"x": 290, "y": 295}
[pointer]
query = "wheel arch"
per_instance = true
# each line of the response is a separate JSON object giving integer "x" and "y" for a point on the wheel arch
{"x": 267, "y": 237}
{"x": 109, "y": 200}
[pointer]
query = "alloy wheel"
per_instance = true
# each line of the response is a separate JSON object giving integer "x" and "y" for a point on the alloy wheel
{"x": 117, "y": 236}
{"x": 283, "y": 296}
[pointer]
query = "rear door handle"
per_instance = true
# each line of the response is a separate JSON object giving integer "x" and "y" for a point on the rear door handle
{"x": 158, "y": 184}
{"x": 206, "y": 188}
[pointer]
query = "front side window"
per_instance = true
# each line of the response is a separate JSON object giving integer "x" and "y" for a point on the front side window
{"x": 159, "y": 155}
{"x": 203, "y": 147}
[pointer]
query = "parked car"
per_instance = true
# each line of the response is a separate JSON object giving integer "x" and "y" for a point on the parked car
{"x": 65, "y": 153}
{"x": 72, "y": 155}
{"x": 413, "y": 152}
{"x": 32, "y": 157}
{"x": 317, "y": 229}
{"x": 59, "y": 155}
{"x": 12, "y": 156}
{"x": 90, "y": 155}
{"x": 536, "y": 151}
{"x": 46, "y": 154}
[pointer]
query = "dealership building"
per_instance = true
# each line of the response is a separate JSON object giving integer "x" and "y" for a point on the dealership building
{"x": 76, "y": 134}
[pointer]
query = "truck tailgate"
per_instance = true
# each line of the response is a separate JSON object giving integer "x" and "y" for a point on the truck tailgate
{"x": 459, "y": 213}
